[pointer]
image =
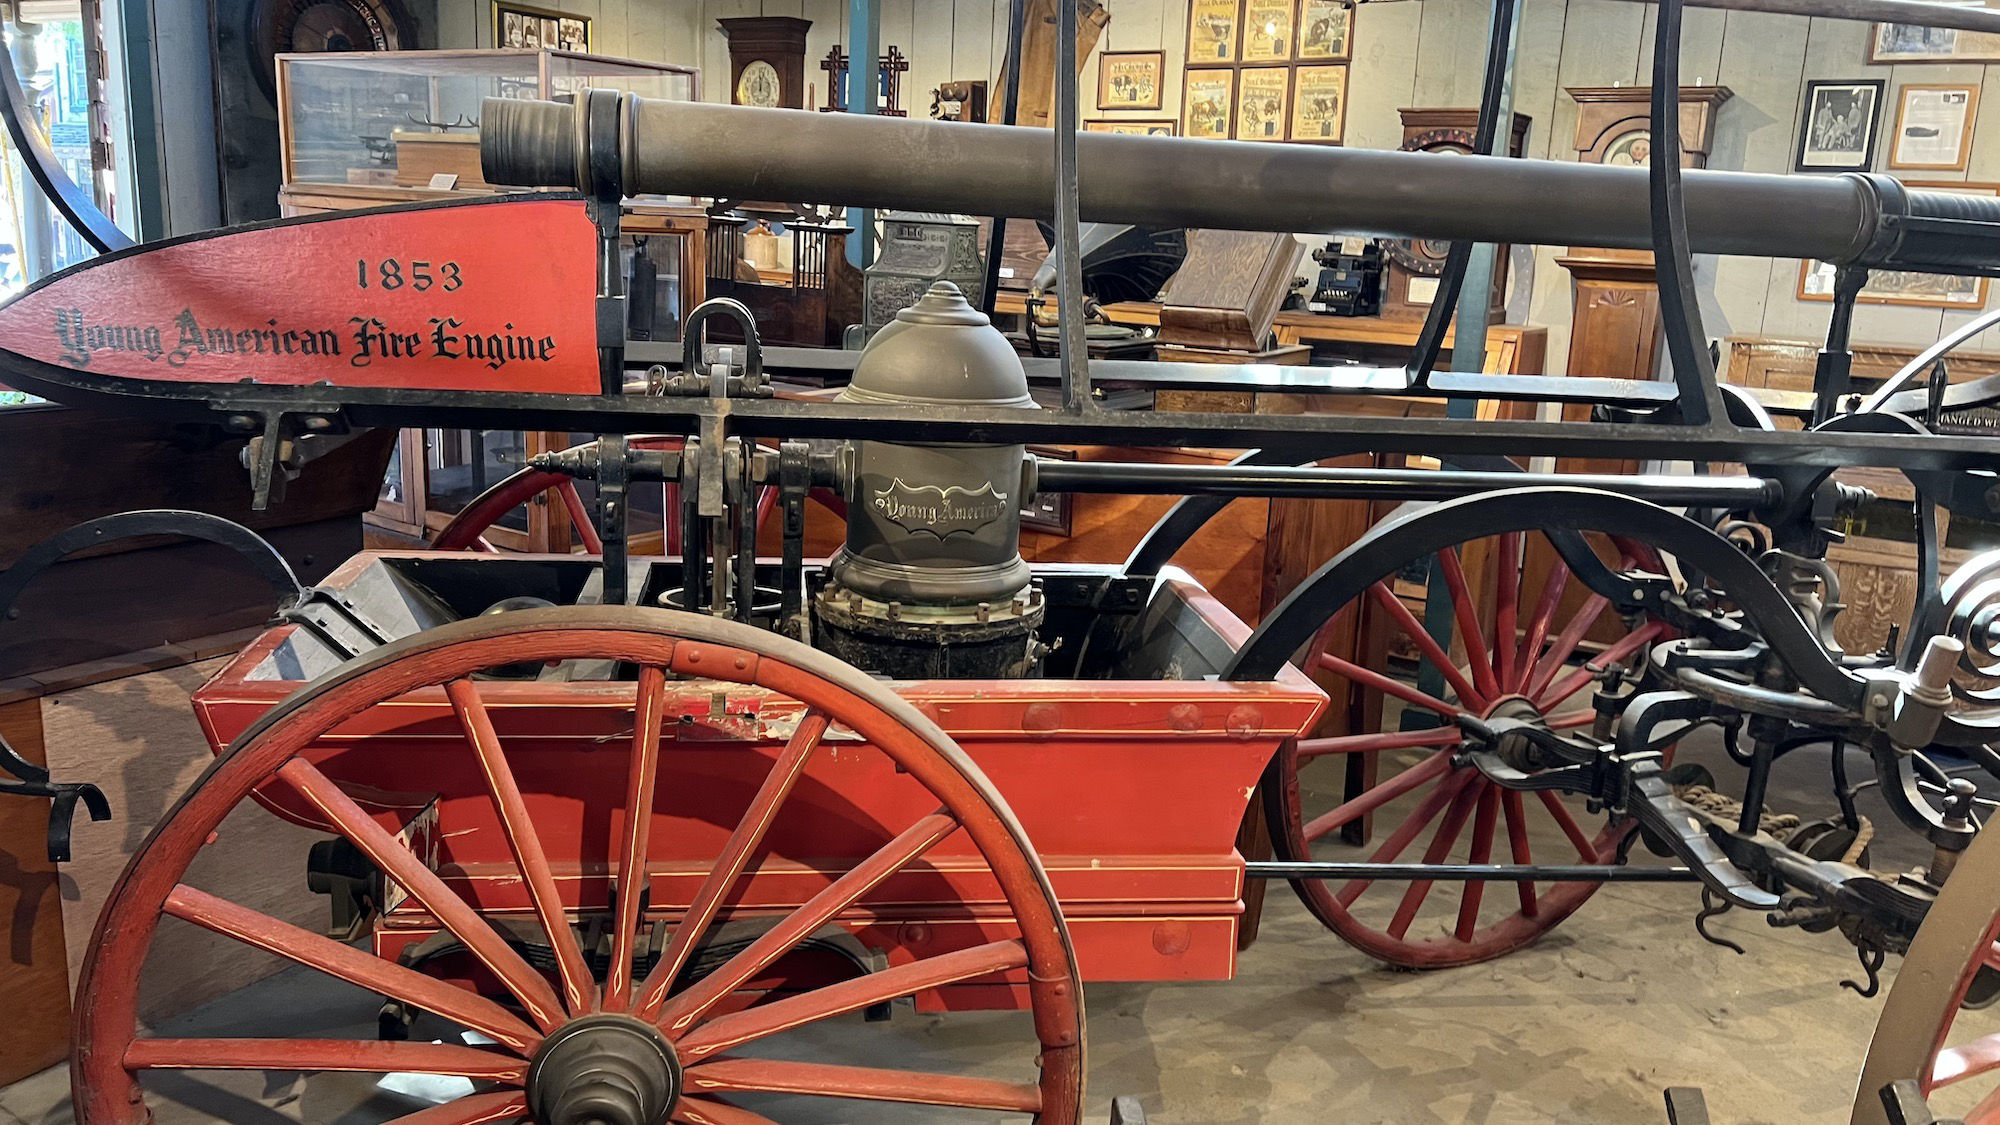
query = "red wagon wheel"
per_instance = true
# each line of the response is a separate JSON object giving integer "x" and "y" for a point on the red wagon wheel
{"x": 671, "y": 1052}
{"x": 1520, "y": 622}
{"x": 467, "y": 530}
{"x": 1927, "y": 1032}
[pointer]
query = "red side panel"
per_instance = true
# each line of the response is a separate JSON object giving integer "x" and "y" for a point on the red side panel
{"x": 491, "y": 296}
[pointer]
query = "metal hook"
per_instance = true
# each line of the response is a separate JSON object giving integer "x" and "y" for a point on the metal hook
{"x": 1711, "y": 907}
{"x": 1871, "y": 963}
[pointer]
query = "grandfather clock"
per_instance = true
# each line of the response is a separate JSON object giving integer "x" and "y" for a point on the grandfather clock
{"x": 1615, "y": 318}
{"x": 1414, "y": 264}
{"x": 767, "y": 60}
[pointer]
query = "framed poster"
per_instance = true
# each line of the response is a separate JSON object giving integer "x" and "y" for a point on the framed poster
{"x": 1933, "y": 127}
{"x": 518, "y": 25}
{"x": 1900, "y": 287}
{"x": 1130, "y": 79}
{"x": 1319, "y": 105}
{"x": 1838, "y": 127}
{"x": 1263, "y": 102}
{"x": 1212, "y": 28}
{"x": 1132, "y": 126}
{"x": 1902, "y": 42}
{"x": 1326, "y": 27}
{"x": 1267, "y": 30}
{"x": 1208, "y": 104}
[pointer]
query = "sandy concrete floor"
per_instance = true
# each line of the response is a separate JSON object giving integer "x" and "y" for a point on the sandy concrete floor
{"x": 1589, "y": 1025}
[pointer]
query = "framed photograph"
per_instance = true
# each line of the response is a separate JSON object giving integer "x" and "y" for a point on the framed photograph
{"x": 1130, "y": 79}
{"x": 1268, "y": 33}
{"x": 1933, "y": 127}
{"x": 1208, "y": 104}
{"x": 1326, "y": 27}
{"x": 1837, "y": 130}
{"x": 1263, "y": 102}
{"x": 1898, "y": 287}
{"x": 1212, "y": 31}
{"x": 521, "y": 25}
{"x": 1902, "y": 42}
{"x": 1132, "y": 126}
{"x": 1319, "y": 105}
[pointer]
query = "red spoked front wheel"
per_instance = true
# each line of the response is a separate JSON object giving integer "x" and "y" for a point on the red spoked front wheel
{"x": 1527, "y": 642}
{"x": 1939, "y": 1026}
{"x": 571, "y": 1044}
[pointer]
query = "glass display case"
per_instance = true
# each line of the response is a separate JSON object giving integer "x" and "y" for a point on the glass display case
{"x": 399, "y": 118}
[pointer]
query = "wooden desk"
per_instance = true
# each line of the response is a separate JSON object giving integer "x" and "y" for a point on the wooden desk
{"x": 1511, "y": 349}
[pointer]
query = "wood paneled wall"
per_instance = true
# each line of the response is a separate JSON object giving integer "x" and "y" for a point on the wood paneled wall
{"x": 1426, "y": 53}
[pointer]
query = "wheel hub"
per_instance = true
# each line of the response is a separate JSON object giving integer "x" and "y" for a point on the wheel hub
{"x": 604, "y": 1070}
{"x": 1513, "y": 747}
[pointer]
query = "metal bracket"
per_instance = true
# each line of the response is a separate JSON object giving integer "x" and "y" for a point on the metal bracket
{"x": 34, "y": 782}
{"x": 333, "y": 617}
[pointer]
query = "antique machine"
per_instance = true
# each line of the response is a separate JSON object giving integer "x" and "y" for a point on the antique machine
{"x": 1350, "y": 278}
{"x": 628, "y": 818}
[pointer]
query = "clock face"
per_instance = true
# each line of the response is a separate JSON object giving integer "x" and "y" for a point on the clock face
{"x": 1633, "y": 148}
{"x": 318, "y": 26}
{"x": 758, "y": 85}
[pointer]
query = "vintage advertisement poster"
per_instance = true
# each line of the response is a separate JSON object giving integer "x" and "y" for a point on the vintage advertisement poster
{"x": 1207, "y": 100}
{"x": 1319, "y": 105}
{"x": 1267, "y": 30}
{"x": 1211, "y": 32}
{"x": 1263, "y": 95}
{"x": 1129, "y": 79}
{"x": 1325, "y": 30}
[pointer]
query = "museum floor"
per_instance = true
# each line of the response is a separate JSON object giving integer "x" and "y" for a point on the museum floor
{"x": 1587, "y": 1027}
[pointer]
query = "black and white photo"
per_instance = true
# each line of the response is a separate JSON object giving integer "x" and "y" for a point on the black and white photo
{"x": 1838, "y": 125}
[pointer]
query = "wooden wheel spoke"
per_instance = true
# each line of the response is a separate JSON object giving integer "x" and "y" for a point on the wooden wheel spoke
{"x": 893, "y": 983}
{"x": 1538, "y": 622}
{"x": 1512, "y": 808}
{"x": 352, "y": 965}
{"x": 703, "y": 1111}
{"x": 1565, "y": 644}
{"x": 1585, "y": 849}
{"x": 1483, "y": 823}
{"x": 579, "y": 517}
{"x": 396, "y": 861}
{"x": 1956, "y": 1064}
{"x": 479, "y": 1109}
{"x": 1378, "y": 742}
{"x": 642, "y": 775}
{"x": 359, "y": 1055}
{"x": 1380, "y": 795}
{"x": 1369, "y": 678}
{"x": 1433, "y": 803}
{"x": 1583, "y": 677}
{"x": 747, "y": 1076}
{"x": 1441, "y": 845}
{"x": 525, "y": 841}
{"x": 729, "y": 866}
{"x": 1407, "y": 624}
{"x": 1477, "y": 655}
{"x": 684, "y": 1010}
{"x": 1506, "y": 609}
